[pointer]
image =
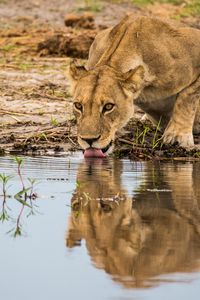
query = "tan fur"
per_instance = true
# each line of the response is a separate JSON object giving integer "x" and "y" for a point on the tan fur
{"x": 147, "y": 62}
{"x": 136, "y": 239}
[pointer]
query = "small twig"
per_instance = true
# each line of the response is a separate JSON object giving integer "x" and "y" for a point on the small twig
{"x": 16, "y": 119}
{"x": 8, "y": 66}
{"x": 133, "y": 144}
{"x": 52, "y": 97}
{"x": 71, "y": 140}
{"x": 125, "y": 141}
{"x": 6, "y": 112}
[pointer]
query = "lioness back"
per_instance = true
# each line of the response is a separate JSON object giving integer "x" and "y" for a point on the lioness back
{"x": 172, "y": 54}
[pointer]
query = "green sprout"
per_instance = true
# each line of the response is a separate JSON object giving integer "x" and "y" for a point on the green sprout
{"x": 4, "y": 179}
{"x": 54, "y": 121}
{"x": 156, "y": 141}
{"x": 19, "y": 161}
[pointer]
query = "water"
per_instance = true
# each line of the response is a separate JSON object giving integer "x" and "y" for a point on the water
{"x": 100, "y": 229}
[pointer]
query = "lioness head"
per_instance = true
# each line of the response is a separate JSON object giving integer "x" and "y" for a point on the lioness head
{"x": 103, "y": 103}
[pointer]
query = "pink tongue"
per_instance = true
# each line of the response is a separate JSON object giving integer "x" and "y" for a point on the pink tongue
{"x": 92, "y": 152}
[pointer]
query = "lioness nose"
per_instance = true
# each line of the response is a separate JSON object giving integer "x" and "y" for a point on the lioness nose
{"x": 90, "y": 140}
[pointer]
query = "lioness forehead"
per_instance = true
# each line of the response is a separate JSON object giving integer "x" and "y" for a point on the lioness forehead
{"x": 98, "y": 87}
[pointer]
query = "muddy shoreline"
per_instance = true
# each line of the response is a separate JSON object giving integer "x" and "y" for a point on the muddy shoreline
{"x": 35, "y": 49}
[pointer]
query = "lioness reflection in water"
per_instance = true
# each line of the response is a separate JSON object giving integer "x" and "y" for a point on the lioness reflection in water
{"x": 136, "y": 239}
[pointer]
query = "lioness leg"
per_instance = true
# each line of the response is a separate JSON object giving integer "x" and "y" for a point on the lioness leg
{"x": 180, "y": 126}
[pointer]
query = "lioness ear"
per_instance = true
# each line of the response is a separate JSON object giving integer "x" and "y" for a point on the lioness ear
{"x": 133, "y": 79}
{"x": 76, "y": 71}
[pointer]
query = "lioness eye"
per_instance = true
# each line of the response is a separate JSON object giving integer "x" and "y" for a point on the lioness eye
{"x": 78, "y": 105}
{"x": 108, "y": 107}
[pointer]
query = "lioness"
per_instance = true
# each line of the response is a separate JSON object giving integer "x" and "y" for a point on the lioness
{"x": 142, "y": 61}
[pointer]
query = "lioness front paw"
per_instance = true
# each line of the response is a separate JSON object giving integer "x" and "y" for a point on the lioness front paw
{"x": 184, "y": 140}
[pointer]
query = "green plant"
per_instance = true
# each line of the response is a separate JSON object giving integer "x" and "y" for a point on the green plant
{"x": 91, "y": 5}
{"x": 19, "y": 161}
{"x": 4, "y": 216}
{"x": 156, "y": 141}
{"x": 32, "y": 195}
{"x": 54, "y": 121}
{"x": 146, "y": 129}
{"x": 175, "y": 2}
{"x": 192, "y": 8}
{"x": 4, "y": 179}
{"x": 197, "y": 154}
{"x": 24, "y": 197}
{"x": 7, "y": 48}
{"x": 142, "y": 2}
{"x": 78, "y": 184}
{"x": 42, "y": 136}
{"x": 25, "y": 66}
{"x": 140, "y": 137}
{"x": 147, "y": 2}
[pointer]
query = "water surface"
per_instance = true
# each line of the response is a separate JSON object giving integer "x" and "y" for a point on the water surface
{"x": 100, "y": 229}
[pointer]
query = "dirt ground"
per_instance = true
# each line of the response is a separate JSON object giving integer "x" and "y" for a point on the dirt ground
{"x": 35, "y": 49}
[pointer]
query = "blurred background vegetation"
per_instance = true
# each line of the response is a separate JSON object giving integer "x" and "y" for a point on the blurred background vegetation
{"x": 188, "y": 7}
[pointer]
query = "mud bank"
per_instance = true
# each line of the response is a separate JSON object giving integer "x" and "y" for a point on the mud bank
{"x": 36, "y": 44}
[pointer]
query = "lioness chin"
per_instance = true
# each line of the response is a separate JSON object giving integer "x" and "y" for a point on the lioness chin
{"x": 145, "y": 62}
